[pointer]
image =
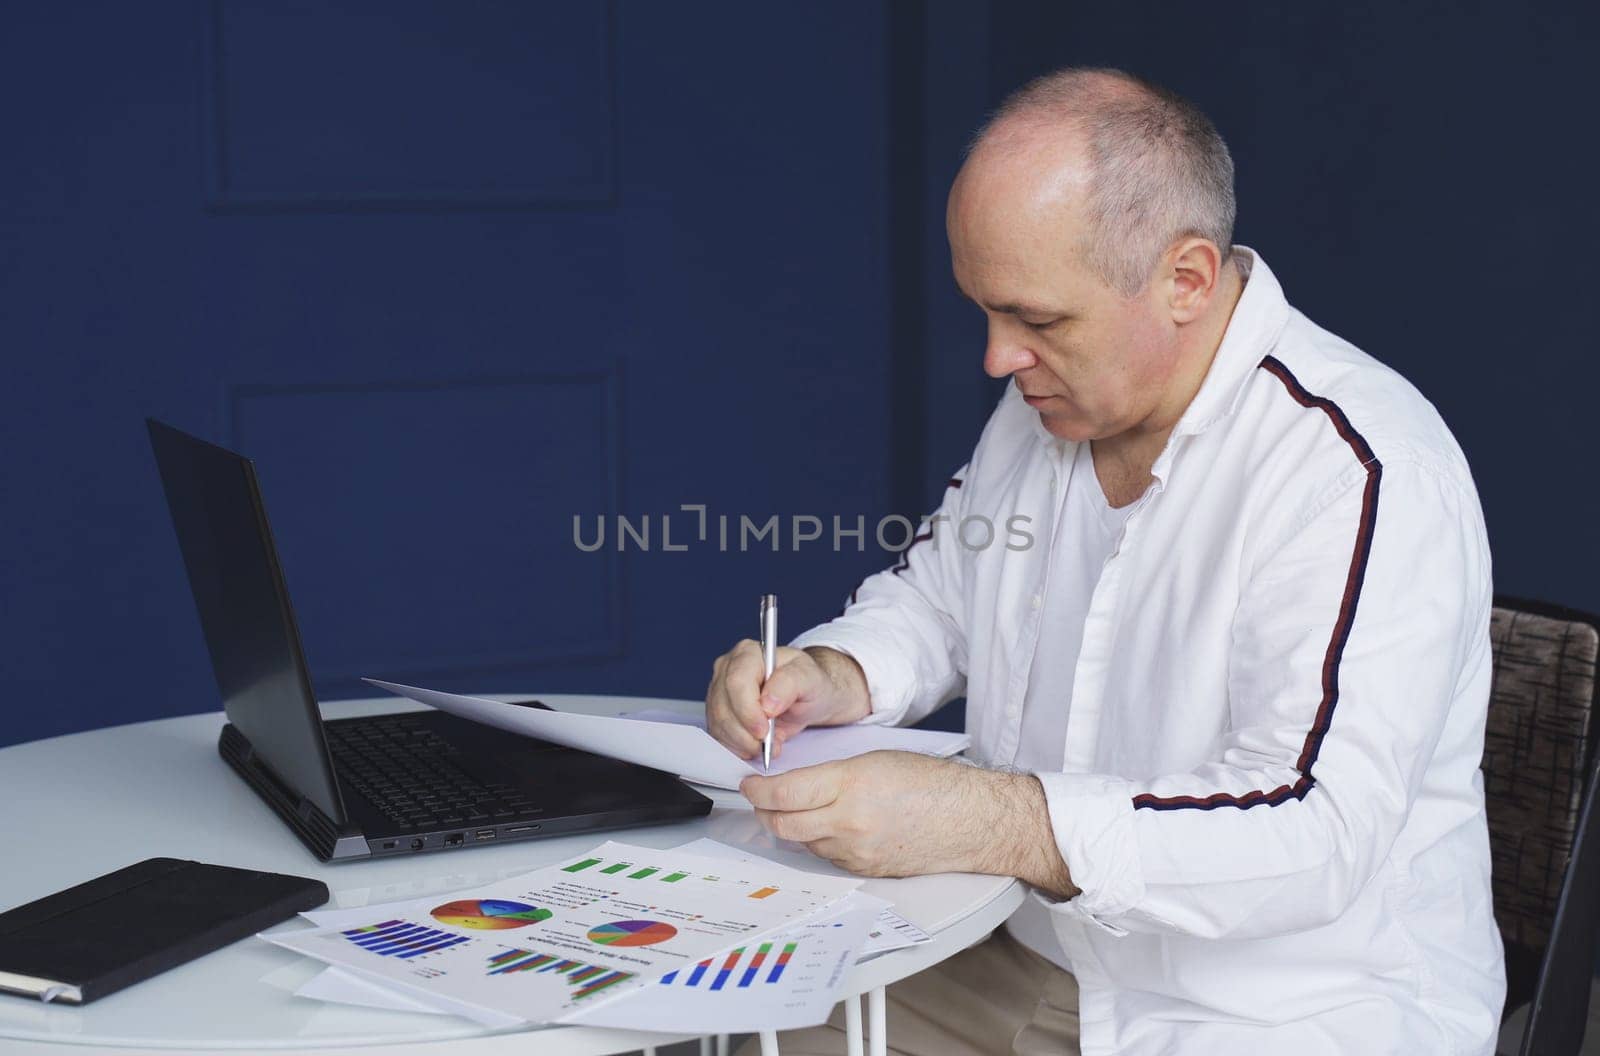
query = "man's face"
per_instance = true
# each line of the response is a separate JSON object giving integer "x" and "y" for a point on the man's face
{"x": 1092, "y": 363}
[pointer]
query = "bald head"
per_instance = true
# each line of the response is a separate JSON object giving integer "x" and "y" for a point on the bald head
{"x": 1130, "y": 166}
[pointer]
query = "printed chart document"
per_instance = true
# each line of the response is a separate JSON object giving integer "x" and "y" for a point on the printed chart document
{"x": 679, "y": 747}
{"x": 784, "y": 983}
{"x": 789, "y": 981}
{"x": 787, "y": 998}
{"x": 889, "y": 931}
{"x": 585, "y": 931}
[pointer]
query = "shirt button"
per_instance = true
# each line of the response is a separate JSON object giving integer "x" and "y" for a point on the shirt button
{"x": 1037, "y": 600}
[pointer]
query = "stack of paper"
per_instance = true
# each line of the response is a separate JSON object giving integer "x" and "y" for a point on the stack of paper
{"x": 698, "y": 939}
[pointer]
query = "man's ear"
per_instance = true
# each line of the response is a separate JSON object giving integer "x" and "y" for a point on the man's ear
{"x": 1194, "y": 269}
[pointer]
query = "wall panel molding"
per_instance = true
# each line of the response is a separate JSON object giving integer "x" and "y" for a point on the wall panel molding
{"x": 293, "y": 419}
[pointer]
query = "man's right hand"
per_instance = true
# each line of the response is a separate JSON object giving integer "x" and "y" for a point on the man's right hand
{"x": 812, "y": 687}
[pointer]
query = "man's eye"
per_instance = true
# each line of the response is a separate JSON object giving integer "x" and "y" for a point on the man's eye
{"x": 1043, "y": 324}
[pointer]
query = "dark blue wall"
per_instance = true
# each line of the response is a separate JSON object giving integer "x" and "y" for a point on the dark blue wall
{"x": 451, "y": 274}
{"x": 454, "y": 273}
{"x": 1420, "y": 177}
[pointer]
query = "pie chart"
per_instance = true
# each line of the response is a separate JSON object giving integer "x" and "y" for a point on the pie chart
{"x": 632, "y": 933}
{"x": 489, "y": 914}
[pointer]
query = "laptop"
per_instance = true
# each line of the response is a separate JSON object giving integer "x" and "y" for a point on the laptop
{"x": 381, "y": 785}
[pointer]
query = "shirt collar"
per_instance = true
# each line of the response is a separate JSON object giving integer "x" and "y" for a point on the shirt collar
{"x": 1258, "y": 319}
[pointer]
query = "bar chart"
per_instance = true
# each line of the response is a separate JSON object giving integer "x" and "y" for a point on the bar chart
{"x": 402, "y": 939}
{"x": 765, "y": 964}
{"x": 587, "y": 978}
{"x": 641, "y": 871}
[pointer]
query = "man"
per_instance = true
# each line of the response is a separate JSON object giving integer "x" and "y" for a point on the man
{"x": 1229, "y": 706}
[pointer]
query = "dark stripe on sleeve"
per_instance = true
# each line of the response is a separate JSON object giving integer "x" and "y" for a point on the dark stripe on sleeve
{"x": 903, "y": 562}
{"x": 905, "y": 555}
{"x": 921, "y": 537}
{"x": 1341, "y": 628}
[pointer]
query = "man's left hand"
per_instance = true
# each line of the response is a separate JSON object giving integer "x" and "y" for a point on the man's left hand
{"x": 905, "y": 814}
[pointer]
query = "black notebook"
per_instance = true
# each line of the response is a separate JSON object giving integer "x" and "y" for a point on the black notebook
{"x": 98, "y": 937}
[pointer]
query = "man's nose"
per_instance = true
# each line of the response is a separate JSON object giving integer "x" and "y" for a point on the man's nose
{"x": 1006, "y": 353}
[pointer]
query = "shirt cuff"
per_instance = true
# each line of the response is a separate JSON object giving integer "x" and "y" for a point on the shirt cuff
{"x": 1091, "y": 816}
{"x": 891, "y": 682}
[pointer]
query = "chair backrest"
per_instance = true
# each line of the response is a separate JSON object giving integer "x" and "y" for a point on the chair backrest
{"x": 1559, "y": 1015}
{"x": 1537, "y": 753}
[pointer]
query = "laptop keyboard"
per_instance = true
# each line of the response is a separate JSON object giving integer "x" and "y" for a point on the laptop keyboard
{"x": 410, "y": 774}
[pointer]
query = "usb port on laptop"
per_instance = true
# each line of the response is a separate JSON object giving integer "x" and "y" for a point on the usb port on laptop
{"x": 485, "y": 834}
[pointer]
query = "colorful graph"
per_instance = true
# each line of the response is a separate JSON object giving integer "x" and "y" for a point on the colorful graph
{"x": 614, "y": 868}
{"x": 727, "y": 968}
{"x": 782, "y": 962}
{"x": 632, "y": 933}
{"x": 489, "y": 914}
{"x": 755, "y": 964}
{"x": 402, "y": 939}
{"x": 759, "y": 959}
{"x": 588, "y": 978}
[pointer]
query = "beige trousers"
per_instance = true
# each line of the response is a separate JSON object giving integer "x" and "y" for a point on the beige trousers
{"x": 996, "y": 999}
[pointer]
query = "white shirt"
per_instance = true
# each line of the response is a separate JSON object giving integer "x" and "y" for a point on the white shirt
{"x": 1083, "y": 531}
{"x": 1269, "y": 789}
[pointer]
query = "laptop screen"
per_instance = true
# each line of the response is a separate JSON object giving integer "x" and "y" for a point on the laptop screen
{"x": 244, "y": 610}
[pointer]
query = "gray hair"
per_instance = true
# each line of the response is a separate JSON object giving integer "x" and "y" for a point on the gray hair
{"x": 1158, "y": 169}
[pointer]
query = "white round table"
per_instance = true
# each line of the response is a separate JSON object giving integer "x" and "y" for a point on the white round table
{"x": 79, "y": 806}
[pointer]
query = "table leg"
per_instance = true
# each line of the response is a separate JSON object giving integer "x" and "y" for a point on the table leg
{"x": 722, "y": 1045}
{"x": 705, "y": 1046}
{"x": 852, "y": 1025}
{"x": 878, "y": 1022}
{"x": 769, "y": 1043}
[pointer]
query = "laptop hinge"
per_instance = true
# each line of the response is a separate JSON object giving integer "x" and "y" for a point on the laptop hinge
{"x": 327, "y": 838}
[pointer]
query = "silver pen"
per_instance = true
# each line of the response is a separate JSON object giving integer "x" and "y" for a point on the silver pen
{"x": 769, "y": 660}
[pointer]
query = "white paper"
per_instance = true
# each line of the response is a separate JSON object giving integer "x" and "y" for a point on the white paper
{"x": 748, "y": 999}
{"x": 681, "y": 748}
{"x": 578, "y": 933}
{"x": 857, "y": 928}
{"x": 789, "y": 981}
{"x": 347, "y": 987}
{"x": 890, "y": 931}
{"x": 344, "y": 987}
